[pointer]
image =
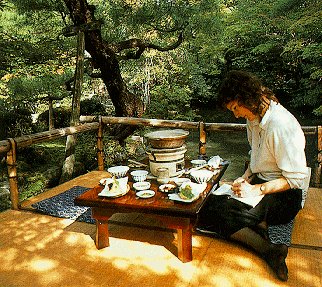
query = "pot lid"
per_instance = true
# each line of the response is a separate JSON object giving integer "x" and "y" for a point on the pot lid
{"x": 167, "y": 134}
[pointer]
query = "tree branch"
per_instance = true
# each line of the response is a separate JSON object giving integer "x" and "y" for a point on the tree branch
{"x": 141, "y": 46}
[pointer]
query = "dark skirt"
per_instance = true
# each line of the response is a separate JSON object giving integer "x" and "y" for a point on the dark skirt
{"x": 226, "y": 215}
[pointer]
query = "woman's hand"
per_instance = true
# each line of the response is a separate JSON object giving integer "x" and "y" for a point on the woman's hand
{"x": 242, "y": 188}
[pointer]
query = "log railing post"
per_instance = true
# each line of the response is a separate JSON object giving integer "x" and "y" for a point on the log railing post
{"x": 100, "y": 148}
{"x": 12, "y": 173}
{"x": 202, "y": 140}
{"x": 317, "y": 181}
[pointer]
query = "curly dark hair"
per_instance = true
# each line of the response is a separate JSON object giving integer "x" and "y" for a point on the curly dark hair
{"x": 247, "y": 89}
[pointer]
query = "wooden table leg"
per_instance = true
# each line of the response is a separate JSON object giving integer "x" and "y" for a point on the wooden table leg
{"x": 102, "y": 238}
{"x": 101, "y": 216}
{"x": 185, "y": 243}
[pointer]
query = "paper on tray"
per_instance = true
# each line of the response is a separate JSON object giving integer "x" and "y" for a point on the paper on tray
{"x": 226, "y": 189}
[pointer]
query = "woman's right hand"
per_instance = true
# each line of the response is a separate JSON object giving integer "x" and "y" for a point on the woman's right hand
{"x": 239, "y": 180}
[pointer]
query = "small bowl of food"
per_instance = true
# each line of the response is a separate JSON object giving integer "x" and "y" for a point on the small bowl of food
{"x": 168, "y": 188}
{"x": 198, "y": 162}
{"x": 141, "y": 185}
{"x": 145, "y": 193}
{"x": 139, "y": 175}
{"x": 118, "y": 171}
{"x": 202, "y": 175}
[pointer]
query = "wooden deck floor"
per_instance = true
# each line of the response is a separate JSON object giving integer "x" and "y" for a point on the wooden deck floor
{"x": 39, "y": 250}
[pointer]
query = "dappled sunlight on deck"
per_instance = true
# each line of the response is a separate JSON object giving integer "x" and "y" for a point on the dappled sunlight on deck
{"x": 38, "y": 250}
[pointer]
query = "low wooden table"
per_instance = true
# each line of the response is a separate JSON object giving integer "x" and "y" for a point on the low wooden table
{"x": 176, "y": 215}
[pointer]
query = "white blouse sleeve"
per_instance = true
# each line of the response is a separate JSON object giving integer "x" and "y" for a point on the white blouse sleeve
{"x": 287, "y": 142}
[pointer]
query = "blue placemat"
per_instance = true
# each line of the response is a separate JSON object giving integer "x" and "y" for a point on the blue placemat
{"x": 62, "y": 205}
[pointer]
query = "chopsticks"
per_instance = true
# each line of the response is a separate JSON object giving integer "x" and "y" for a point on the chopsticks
{"x": 196, "y": 168}
{"x": 139, "y": 164}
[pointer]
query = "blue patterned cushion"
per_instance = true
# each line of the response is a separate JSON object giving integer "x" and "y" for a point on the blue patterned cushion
{"x": 62, "y": 205}
{"x": 281, "y": 234}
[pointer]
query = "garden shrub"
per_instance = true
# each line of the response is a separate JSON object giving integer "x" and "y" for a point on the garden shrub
{"x": 15, "y": 121}
{"x": 92, "y": 107}
{"x": 61, "y": 118}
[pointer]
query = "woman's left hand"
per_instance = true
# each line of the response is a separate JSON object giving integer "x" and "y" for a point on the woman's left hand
{"x": 245, "y": 189}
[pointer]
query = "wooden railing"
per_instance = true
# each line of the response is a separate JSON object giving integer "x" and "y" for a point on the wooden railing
{"x": 90, "y": 123}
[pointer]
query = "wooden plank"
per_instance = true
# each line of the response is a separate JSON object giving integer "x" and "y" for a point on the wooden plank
{"x": 28, "y": 140}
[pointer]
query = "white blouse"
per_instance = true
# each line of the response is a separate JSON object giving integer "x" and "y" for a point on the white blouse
{"x": 277, "y": 147}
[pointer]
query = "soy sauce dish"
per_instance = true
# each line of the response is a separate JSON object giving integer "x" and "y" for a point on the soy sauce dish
{"x": 145, "y": 193}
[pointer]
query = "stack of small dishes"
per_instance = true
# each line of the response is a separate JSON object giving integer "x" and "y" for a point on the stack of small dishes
{"x": 142, "y": 189}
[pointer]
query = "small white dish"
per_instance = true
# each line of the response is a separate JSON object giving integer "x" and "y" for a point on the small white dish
{"x": 198, "y": 162}
{"x": 145, "y": 193}
{"x": 141, "y": 185}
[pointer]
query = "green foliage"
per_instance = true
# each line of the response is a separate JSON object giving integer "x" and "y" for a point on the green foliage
{"x": 86, "y": 151}
{"x": 61, "y": 117}
{"x": 281, "y": 42}
{"x": 15, "y": 120}
{"x": 170, "y": 103}
{"x": 34, "y": 185}
{"x": 92, "y": 107}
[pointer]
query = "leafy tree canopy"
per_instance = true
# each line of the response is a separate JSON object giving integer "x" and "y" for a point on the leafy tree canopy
{"x": 280, "y": 40}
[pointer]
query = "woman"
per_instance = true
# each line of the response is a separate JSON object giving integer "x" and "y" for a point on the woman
{"x": 277, "y": 170}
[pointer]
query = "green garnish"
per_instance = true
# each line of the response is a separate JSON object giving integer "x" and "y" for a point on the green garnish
{"x": 186, "y": 192}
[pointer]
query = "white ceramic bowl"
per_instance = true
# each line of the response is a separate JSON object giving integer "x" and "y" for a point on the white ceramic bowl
{"x": 139, "y": 175}
{"x": 202, "y": 175}
{"x": 118, "y": 171}
{"x": 198, "y": 162}
{"x": 141, "y": 185}
{"x": 180, "y": 180}
{"x": 214, "y": 161}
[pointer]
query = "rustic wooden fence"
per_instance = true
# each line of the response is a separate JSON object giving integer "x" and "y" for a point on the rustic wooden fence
{"x": 90, "y": 123}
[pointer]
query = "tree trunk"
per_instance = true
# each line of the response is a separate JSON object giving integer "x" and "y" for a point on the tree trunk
{"x": 68, "y": 166}
{"x": 50, "y": 114}
{"x": 104, "y": 58}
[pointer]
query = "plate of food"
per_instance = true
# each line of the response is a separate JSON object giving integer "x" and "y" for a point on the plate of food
{"x": 145, "y": 193}
{"x": 104, "y": 180}
{"x": 188, "y": 192}
{"x": 115, "y": 187}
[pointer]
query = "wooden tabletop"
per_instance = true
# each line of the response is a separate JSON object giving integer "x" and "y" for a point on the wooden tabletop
{"x": 158, "y": 204}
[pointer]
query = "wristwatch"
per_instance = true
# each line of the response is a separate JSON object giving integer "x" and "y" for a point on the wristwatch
{"x": 262, "y": 188}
